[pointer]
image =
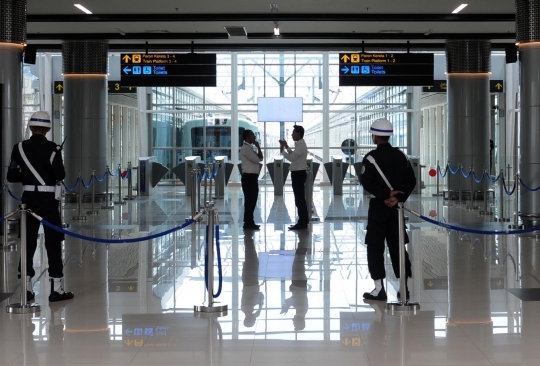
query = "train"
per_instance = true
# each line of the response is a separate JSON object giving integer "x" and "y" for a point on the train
{"x": 206, "y": 137}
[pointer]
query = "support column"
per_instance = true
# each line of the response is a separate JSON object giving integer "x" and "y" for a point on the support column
{"x": 12, "y": 40}
{"x": 528, "y": 39}
{"x": 468, "y": 65}
{"x": 85, "y": 68}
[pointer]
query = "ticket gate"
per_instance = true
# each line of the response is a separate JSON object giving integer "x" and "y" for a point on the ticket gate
{"x": 149, "y": 174}
{"x": 278, "y": 173}
{"x": 336, "y": 170}
{"x": 224, "y": 170}
{"x": 182, "y": 171}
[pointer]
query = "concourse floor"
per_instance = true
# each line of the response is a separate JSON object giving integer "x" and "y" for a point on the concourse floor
{"x": 294, "y": 298}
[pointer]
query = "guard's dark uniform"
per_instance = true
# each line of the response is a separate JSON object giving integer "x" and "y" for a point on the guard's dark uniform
{"x": 382, "y": 220}
{"x": 38, "y": 151}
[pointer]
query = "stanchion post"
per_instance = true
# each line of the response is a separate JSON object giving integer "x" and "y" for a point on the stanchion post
{"x": 205, "y": 185}
{"x": 501, "y": 195}
{"x": 129, "y": 196}
{"x": 459, "y": 177}
{"x": 80, "y": 217}
{"x": 211, "y": 308}
{"x": 60, "y": 207}
{"x": 120, "y": 202}
{"x": 403, "y": 305}
{"x": 199, "y": 190}
{"x": 438, "y": 178}
{"x": 93, "y": 211}
{"x": 107, "y": 176}
{"x": 210, "y": 177}
{"x": 193, "y": 177}
{"x": 516, "y": 225}
{"x": 23, "y": 307}
{"x": 471, "y": 198}
{"x": 6, "y": 246}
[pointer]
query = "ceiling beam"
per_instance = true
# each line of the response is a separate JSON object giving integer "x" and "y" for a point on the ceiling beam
{"x": 289, "y": 47}
{"x": 81, "y": 18}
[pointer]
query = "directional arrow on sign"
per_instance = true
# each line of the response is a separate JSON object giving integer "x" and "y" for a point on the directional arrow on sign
{"x": 345, "y": 69}
{"x": 498, "y": 86}
{"x": 430, "y": 284}
{"x": 128, "y": 331}
{"x": 128, "y": 342}
{"x": 346, "y": 341}
{"x": 345, "y": 58}
{"x": 346, "y": 327}
{"x": 59, "y": 87}
{"x": 127, "y": 70}
{"x": 131, "y": 288}
{"x": 126, "y": 58}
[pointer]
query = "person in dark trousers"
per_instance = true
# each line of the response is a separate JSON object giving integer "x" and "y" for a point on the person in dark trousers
{"x": 298, "y": 159}
{"x": 37, "y": 164}
{"x": 250, "y": 177}
{"x": 388, "y": 176}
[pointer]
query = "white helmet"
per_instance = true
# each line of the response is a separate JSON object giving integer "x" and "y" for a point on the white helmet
{"x": 40, "y": 119}
{"x": 382, "y": 127}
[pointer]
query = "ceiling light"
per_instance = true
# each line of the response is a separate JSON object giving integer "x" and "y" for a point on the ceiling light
{"x": 431, "y": 30}
{"x": 391, "y": 31}
{"x": 83, "y": 8}
{"x": 120, "y": 31}
{"x": 276, "y": 29}
{"x": 459, "y": 8}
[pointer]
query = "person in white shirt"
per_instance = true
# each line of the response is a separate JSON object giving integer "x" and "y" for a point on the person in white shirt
{"x": 250, "y": 177}
{"x": 298, "y": 159}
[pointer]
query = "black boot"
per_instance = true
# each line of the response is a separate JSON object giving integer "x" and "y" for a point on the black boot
{"x": 373, "y": 295}
{"x": 59, "y": 295}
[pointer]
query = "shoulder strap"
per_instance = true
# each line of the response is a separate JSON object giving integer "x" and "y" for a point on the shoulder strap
{"x": 371, "y": 159}
{"x": 36, "y": 174}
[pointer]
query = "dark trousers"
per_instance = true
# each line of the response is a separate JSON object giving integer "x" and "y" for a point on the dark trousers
{"x": 250, "y": 187}
{"x": 47, "y": 208}
{"x": 383, "y": 224}
{"x": 298, "y": 178}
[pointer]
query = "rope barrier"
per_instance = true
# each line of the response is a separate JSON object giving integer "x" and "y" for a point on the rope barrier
{"x": 74, "y": 187}
{"x": 112, "y": 241}
{"x": 89, "y": 183}
{"x": 492, "y": 180}
{"x": 452, "y": 171}
{"x": 476, "y": 179}
{"x": 473, "y": 231}
{"x": 441, "y": 173}
{"x": 127, "y": 175}
{"x": 102, "y": 179}
{"x": 12, "y": 195}
{"x": 506, "y": 190}
{"x": 463, "y": 173}
{"x": 114, "y": 174}
{"x": 528, "y": 188}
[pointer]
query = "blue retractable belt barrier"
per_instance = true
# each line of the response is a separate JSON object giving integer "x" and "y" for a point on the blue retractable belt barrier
{"x": 528, "y": 188}
{"x": 113, "y": 241}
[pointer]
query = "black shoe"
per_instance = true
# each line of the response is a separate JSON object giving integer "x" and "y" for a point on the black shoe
{"x": 298, "y": 227}
{"x": 55, "y": 296}
{"x": 408, "y": 295}
{"x": 30, "y": 295}
{"x": 252, "y": 227}
{"x": 381, "y": 296}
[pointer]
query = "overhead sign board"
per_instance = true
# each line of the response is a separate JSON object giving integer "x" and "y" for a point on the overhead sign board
{"x": 168, "y": 69}
{"x": 113, "y": 87}
{"x": 439, "y": 86}
{"x": 386, "y": 69}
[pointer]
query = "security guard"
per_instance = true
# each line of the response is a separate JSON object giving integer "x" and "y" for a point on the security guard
{"x": 37, "y": 164}
{"x": 388, "y": 176}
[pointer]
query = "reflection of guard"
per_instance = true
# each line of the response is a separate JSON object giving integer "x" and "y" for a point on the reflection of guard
{"x": 37, "y": 163}
{"x": 387, "y": 175}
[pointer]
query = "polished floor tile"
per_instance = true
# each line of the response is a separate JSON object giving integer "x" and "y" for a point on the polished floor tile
{"x": 294, "y": 298}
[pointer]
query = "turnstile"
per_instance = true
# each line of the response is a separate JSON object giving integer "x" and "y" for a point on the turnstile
{"x": 336, "y": 171}
{"x": 278, "y": 173}
{"x": 223, "y": 174}
{"x": 191, "y": 163}
{"x": 145, "y": 175}
{"x": 415, "y": 163}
